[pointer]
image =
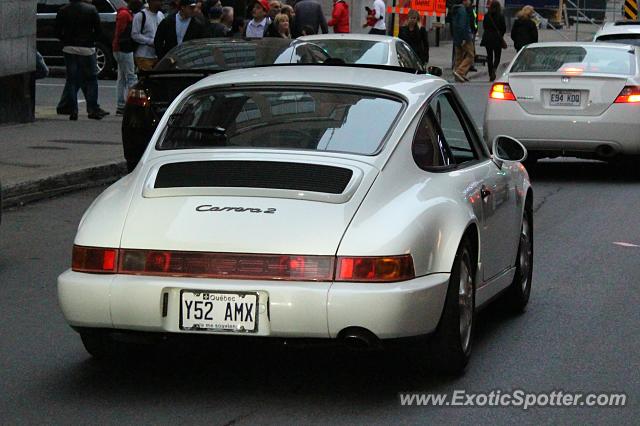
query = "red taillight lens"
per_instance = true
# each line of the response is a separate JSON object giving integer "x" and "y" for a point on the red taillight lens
{"x": 94, "y": 259}
{"x": 375, "y": 269}
{"x": 137, "y": 97}
{"x": 502, "y": 91}
{"x": 629, "y": 95}
{"x": 227, "y": 265}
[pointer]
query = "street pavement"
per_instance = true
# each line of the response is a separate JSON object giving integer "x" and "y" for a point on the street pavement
{"x": 579, "y": 334}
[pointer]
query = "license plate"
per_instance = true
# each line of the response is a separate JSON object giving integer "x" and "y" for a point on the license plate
{"x": 218, "y": 311}
{"x": 565, "y": 98}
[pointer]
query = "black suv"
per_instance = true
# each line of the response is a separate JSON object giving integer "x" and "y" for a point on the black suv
{"x": 51, "y": 48}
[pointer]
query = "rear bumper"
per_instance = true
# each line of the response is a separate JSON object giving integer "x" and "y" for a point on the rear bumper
{"x": 286, "y": 309}
{"x": 618, "y": 128}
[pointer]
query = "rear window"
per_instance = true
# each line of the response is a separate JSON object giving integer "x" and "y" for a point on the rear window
{"x": 575, "y": 60}
{"x": 226, "y": 54}
{"x": 632, "y": 39}
{"x": 320, "y": 120}
{"x": 356, "y": 51}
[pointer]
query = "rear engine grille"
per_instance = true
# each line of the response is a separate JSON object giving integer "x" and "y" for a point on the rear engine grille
{"x": 254, "y": 174}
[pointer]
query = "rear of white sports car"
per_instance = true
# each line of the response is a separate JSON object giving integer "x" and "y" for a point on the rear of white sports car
{"x": 569, "y": 99}
{"x": 214, "y": 234}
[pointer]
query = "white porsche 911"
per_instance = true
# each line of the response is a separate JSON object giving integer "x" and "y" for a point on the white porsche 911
{"x": 340, "y": 203}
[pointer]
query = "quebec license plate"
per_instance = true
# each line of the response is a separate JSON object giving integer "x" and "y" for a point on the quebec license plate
{"x": 565, "y": 98}
{"x": 224, "y": 312}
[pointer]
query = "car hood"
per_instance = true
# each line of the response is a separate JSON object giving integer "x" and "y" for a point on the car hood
{"x": 246, "y": 204}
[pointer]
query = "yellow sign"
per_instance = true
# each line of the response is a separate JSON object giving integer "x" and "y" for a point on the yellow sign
{"x": 631, "y": 9}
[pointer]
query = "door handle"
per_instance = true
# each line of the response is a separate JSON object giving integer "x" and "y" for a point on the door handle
{"x": 484, "y": 192}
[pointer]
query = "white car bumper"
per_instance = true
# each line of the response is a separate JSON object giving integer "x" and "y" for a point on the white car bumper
{"x": 618, "y": 127}
{"x": 286, "y": 309}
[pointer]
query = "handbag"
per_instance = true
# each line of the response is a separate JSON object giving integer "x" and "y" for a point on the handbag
{"x": 502, "y": 42}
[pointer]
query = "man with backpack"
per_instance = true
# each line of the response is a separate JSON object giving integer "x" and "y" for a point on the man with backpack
{"x": 145, "y": 25}
{"x": 123, "y": 47}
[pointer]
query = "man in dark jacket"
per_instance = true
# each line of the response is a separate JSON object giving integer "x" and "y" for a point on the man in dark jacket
{"x": 78, "y": 27}
{"x": 179, "y": 27}
{"x": 309, "y": 13}
{"x": 462, "y": 41}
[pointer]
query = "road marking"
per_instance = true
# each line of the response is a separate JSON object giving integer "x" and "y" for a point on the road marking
{"x": 623, "y": 244}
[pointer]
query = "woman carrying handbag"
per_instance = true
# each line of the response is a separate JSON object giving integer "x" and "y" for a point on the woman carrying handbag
{"x": 493, "y": 37}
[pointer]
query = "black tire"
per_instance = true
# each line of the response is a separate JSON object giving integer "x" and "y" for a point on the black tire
{"x": 450, "y": 351}
{"x": 105, "y": 62}
{"x": 518, "y": 293}
{"x": 98, "y": 345}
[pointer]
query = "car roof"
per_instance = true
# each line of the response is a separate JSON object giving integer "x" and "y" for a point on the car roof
{"x": 620, "y": 27}
{"x": 581, "y": 44}
{"x": 415, "y": 88}
{"x": 349, "y": 36}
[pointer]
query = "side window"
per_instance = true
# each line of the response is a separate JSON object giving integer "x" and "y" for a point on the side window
{"x": 410, "y": 56}
{"x": 404, "y": 58}
{"x": 50, "y": 6}
{"x": 103, "y": 6}
{"x": 453, "y": 129}
{"x": 428, "y": 148}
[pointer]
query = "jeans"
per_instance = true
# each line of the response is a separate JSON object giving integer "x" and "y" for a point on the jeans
{"x": 493, "y": 59}
{"x": 81, "y": 74}
{"x": 126, "y": 77}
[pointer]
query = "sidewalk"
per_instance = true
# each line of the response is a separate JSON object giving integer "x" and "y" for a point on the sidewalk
{"x": 54, "y": 155}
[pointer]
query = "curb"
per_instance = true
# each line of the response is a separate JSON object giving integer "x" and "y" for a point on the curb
{"x": 27, "y": 192}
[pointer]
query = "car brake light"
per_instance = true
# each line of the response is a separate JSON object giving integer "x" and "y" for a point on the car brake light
{"x": 226, "y": 265}
{"x": 629, "y": 95}
{"x": 502, "y": 91}
{"x": 375, "y": 269}
{"x": 137, "y": 97}
{"x": 94, "y": 259}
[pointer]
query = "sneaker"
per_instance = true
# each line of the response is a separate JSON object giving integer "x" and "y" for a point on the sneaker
{"x": 120, "y": 111}
{"x": 459, "y": 78}
{"x": 73, "y": 116}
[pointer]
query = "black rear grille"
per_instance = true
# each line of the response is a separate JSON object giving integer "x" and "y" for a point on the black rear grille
{"x": 254, "y": 174}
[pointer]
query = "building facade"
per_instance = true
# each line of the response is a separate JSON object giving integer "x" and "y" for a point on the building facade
{"x": 17, "y": 60}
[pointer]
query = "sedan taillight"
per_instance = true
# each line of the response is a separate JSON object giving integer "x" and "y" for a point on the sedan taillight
{"x": 502, "y": 91}
{"x": 137, "y": 97}
{"x": 629, "y": 95}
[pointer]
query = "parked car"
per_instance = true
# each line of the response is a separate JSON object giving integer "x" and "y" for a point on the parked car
{"x": 369, "y": 49}
{"x": 623, "y": 32}
{"x": 308, "y": 201}
{"x": 51, "y": 48}
{"x": 193, "y": 61}
{"x": 569, "y": 99}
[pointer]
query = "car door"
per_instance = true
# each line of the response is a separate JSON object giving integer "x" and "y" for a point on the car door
{"x": 491, "y": 185}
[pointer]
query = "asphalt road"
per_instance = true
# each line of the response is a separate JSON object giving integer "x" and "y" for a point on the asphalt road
{"x": 580, "y": 334}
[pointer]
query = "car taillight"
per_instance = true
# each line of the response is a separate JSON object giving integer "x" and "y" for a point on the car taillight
{"x": 137, "y": 97}
{"x": 502, "y": 91}
{"x": 375, "y": 269}
{"x": 94, "y": 259}
{"x": 629, "y": 95}
{"x": 227, "y": 265}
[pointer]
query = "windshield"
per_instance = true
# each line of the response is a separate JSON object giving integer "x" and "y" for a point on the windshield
{"x": 632, "y": 39}
{"x": 320, "y": 120}
{"x": 356, "y": 51}
{"x": 575, "y": 60}
{"x": 216, "y": 55}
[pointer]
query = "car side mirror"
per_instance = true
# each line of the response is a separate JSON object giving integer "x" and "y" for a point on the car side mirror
{"x": 437, "y": 71}
{"x": 506, "y": 148}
